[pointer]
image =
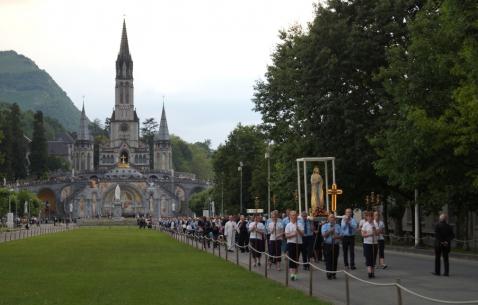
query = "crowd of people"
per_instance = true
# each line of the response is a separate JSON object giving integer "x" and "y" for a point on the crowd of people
{"x": 303, "y": 238}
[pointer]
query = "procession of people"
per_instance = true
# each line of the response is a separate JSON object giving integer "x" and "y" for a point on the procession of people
{"x": 303, "y": 238}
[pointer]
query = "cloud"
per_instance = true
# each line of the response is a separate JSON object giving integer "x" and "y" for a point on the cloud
{"x": 204, "y": 56}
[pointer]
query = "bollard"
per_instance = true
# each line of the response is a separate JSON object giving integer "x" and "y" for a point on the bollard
{"x": 226, "y": 250}
{"x": 399, "y": 294}
{"x": 286, "y": 261}
{"x": 250, "y": 260}
{"x": 347, "y": 289}
{"x": 311, "y": 276}
{"x": 237, "y": 255}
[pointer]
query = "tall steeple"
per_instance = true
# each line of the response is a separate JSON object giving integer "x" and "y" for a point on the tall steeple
{"x": 124, "y": 63}
{"x": 124, "y": 121}
{"x": 163, "y": 134}
{"x": 84, "y": 132}
{"x": 163, "y": 154}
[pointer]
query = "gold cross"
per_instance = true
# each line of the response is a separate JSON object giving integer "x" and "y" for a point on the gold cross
{"x": 123, "y": 157}
{"x": 334, "y": 191}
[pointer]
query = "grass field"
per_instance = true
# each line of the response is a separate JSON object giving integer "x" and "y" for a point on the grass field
{"x": 127, "y": 266}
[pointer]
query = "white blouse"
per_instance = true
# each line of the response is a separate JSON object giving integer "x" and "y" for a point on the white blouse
{"x": 292, "y": 228}
{"x": 276, "y": 229}
{"x": 367, "y": 228}
{"x": 260, "y": 228}
{"x": 380, "y": 227}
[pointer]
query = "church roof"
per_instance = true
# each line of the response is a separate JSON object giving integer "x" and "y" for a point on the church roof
{"x": 124, "y": 63}
{"x": 124, "y": 47}
{"x": 163, "y": 134}
{"x": 84, "y": 133}
{"x": 64, "y": 137}
{"x": 58, "y": 148}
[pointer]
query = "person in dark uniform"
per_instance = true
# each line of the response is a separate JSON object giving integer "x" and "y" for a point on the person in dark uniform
{"x": 332, "y": 235}
{"x": 242, "y": 228}
{"x": 443, "y": 237}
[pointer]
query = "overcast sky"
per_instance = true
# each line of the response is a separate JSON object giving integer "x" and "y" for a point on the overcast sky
{"x": 203, "y": 56}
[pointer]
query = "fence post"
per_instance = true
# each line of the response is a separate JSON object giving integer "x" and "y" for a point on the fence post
{"x": 265, "y": 265}
{"x": 226, "y": 250}
{"x": 347, "y": 289}
{"x": 213, "y": 249}
{"x": 237, "y": 255}
{"x": 399, "y": 293}
{"x": 219, "y": 248}
{"x": 250, "y": 260}
{"x": 286, "y": 261}
{"x": 311, "y": 271}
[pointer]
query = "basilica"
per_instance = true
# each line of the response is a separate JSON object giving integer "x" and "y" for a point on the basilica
{"x": 124, "y": 147}
{"x": 123, "y": 182}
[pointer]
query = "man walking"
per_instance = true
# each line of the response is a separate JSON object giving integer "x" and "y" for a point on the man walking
{"x": 230, "y": 233}
{"x": 348, "y": 228}
{"x": 443, "y": 237}
{"x": 307, "y": 240}
{"x": 332, "y": 235}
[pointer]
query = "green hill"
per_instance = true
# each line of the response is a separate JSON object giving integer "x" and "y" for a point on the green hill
{"x": 22, "y": 82}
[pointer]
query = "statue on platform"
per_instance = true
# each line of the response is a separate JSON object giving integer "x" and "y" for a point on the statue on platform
{"x": 316, "y": 190}
{"x": 117, "y": 193}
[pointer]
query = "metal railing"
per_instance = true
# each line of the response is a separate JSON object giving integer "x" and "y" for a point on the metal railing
{"x": 200, "y": 242}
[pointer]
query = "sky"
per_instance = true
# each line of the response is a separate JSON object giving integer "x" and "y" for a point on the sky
{"x": 203, "y": 56}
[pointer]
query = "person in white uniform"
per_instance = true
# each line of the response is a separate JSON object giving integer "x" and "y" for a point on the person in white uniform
{"x": 230, "y": 233}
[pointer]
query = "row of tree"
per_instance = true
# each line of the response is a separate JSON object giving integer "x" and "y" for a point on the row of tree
{"x": 21, "y": 156}
{"x": 388, "y": 87}
{"x": 14, "y": 202}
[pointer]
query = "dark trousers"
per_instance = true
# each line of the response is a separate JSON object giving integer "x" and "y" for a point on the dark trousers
{"x": 243, "y": 241}
{"x": 331, "y": 253}
{"x": 306, "y": 249}
{"x": 441, "y": 250}
{"x": 293, "y": 250}
{"x": 275, "y": 250}
{"x": 348, "y": 245}
{"x": 318, "y": 247}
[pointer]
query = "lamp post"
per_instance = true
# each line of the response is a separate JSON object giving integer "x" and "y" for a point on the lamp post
{"x": 222, "y": 195}
{"x": 268, "y": 158}
{"x": 240, "y": 170}
{"x": 10, "y": 201}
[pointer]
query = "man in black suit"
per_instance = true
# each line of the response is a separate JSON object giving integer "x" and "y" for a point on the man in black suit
{"x": 443, "y": 237}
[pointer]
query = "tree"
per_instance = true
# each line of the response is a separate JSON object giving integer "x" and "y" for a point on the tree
{"x": 320, "y": 96}
{"x": 39, "y": 148}
{"x": 429, "y": 142}
{"x": 17, "y": 144}
{"x": 147, "y": 131}
{"x": 199, "y": 201}
{"x": 244, "y": 144}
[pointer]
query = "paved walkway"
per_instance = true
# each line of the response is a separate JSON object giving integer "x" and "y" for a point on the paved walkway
{"x": 413, "y": 270}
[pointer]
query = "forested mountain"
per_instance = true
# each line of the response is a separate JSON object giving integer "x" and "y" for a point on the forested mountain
{"x": 22, "y": 82}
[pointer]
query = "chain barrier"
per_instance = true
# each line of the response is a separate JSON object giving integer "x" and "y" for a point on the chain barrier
{"x": 35, "y": 231}
{"x": 315, "y": 267}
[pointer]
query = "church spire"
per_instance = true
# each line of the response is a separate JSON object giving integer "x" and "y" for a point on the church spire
{"x": 124, "y": 63}
{"x": 163, "y": 134}
{"x": 84, "y": 134}
{"x": 124, "y": 47}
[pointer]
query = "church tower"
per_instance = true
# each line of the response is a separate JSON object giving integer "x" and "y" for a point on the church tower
{"x": 163, "y": 154}
{"x": 83, "y": 153}
{"x": 124, "y": 121}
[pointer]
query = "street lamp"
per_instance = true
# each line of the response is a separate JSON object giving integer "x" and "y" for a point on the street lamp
{"x": 268, "y": 158}
{"x": 240, "y": 170}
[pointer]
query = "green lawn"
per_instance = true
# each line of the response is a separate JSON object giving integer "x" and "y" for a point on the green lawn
{"x": 127, "y": 266}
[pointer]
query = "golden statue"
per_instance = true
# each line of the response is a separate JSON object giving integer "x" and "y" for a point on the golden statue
{"x": 316, "y": 190}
